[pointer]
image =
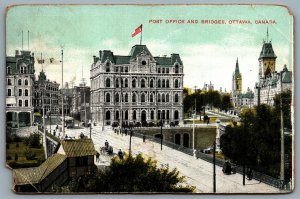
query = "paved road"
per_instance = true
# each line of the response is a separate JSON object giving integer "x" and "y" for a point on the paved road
{"x": 198, "y": 172}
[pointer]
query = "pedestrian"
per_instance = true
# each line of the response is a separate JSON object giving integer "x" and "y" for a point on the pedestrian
{"x": 115, "y": 130}
{"x": 106, "y": 144}
{"x": 120, "y": 154}
{"x": 97, "y": 156}
{"x": 144, "y": 138}
{"x": 125, "y": 131}
{"x": 54, "y": 133}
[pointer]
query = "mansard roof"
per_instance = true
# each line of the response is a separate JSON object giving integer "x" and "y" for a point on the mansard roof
{"x": 267, "y": 51}
{"x": 135, "y": 50}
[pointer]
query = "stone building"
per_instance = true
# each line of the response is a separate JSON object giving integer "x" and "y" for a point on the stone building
{"x": 47, "y": 91}
{"x": 19, "y": 89}
{"x": 270, "y": 82}
{"x": 144, "y": 88}
{"x": 81, "y": 103}
{"x": 240, "y": 99}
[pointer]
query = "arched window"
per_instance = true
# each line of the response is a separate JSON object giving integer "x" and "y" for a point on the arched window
{"x": 133, "y": 83}
{"x": 143, "y": 98}
{"x": 151, "y": 97}
{"x": 176, "y": 85}
{"x": 167, "y": 84}
{"x": 152, "y": 115}
{"x": 126, "y": 115}
{"x": 23, "y": 69}
{"x": 126, "y": 97}
{"x": 117, "y": 83}
{"x": 158, "y": 83}
{"x": 26, "y": 92}
{"x": 117, "y": 97}
{"x": 143, "y": 83}
{"x": 134, "y": 115}
{"x": 107, "y": 97}
{"x": 158, "y": 114}
{"x": 151, "y": 83}
{"x": 8, "y": 81}
{"x": 176, "y": 115}
{"x": 163, "y": 98}
{"x": 26, "y": 82}
{"x": 133, "y": 97}
{"x": 19, "y": 82}
{"x": 163, "y": 70}
{"x": 107, "y": 115}
{"x": 117, "y": 115}
{"x": 167, "y": 98}
{"x": 158, "y": 97}
{"x": 163, "y": 83}
{"x": 126, "y": 83}
{"x": 107, "y": 82}
{"x": 176, "y": 68}
{"x": 176, "y": 98}
{"x": 107, "y": 69}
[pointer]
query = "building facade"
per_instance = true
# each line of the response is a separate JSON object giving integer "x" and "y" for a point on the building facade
{"x": 19, "y": 89}
{"x": 81, "y": 109}
{"x": 141, "y": 87}
{"x": 240, "y": 99}
{"x": 47, "y": 92}
{"x": 270, "y": 82}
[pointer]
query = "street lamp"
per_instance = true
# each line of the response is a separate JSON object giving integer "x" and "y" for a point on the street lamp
{"x": 161, "y": 134}
{"x": 62, "y": 94}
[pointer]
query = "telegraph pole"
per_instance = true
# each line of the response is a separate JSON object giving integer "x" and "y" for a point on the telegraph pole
{"x": 62, "y": 94}
{"x": 194, "y": 117}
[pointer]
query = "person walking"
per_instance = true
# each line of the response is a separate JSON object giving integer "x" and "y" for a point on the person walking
{"x": 97, "y": 156}
{"x": 120, "y": 154}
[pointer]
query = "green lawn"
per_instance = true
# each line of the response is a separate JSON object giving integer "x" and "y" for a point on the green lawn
{"x": 22, "y": 161}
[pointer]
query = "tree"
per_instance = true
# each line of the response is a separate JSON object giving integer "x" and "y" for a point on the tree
{"x": 131, "y": 174}
{"x": 226, "y": 103}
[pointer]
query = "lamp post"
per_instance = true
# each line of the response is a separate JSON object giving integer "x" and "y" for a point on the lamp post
{"x": 214, "y": 169}
{"x": 161, "y": 134}
{"x": 62, "y": 94}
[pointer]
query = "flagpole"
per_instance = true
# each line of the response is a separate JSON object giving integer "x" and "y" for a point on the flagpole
{"x": 141, "y": 35}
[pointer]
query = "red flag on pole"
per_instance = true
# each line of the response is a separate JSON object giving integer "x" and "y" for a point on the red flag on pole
{"x": 137, "y": 31}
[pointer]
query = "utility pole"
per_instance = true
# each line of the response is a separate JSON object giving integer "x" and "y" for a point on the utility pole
{"x": 281, "y": 134}
{"x": 245, "y": 153}
{"x": 214, "y": 174}
{"x": 62, "y": 94}
{"x": 194, "y": 117}
{"x": 44, "y": 128}
{"x": 161, "y": 134}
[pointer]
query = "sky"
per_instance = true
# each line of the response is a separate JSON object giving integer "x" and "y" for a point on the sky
{"x": 208, "y": 51}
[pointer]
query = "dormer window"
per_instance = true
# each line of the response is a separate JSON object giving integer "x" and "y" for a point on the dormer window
{"x": 107, "y": 67}
{"x": 176, "y": 68}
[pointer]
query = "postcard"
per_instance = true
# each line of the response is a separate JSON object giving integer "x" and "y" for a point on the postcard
{"x": 178, "y": 99}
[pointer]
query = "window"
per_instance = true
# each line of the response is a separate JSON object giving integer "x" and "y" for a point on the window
{"x": 107, "y": 115}
{"x": 107, "y": 84}
{"x": 126, "y": 97}
{"x": 20, "y": 92}
{"x": 143, "y": 83}
{"x": 163, "y": 83}
{"x": 158, "y": 98}
{"x": 23, "y": 69}
{"x": 19, "y": 82}
{"x": 167, "y": 70}
{"x": 26, "y": 82}
{"x": 9, "y": 92}
{"x": 168, "y": 83}
{"x": 8, "y": 81}
{"x": 107, "y": 97}
{"x": 158, "y": 83}
{"x": 167, "y": 98}
{"x": 144, "y": 62}
{"x": 176, "y": 84}
{"x": 133, "y": 97}
{"x": 163, "y": 70}
{"x": 158, "y": 114}
{"x": 151, "y": 83}
{"x": 126, "y": 69}
{"x": 107, "y": 67}
{"x": 163, "y": 98}
{"x": 26, "y": 103}
{"x": 117, "y": 69}
{"x": 117, "y": 83}
{"x": 133, "y": 83}
{"x": 151, "y": 97}
{"x": 20, "y": 103}
{"x": 176, "y": 98}
{"x": 117, "y": 97}
{"x": 176, "y": 68}
{"x": 152, "y": 115}
{"x": 26, "y": 92}
{"x": 143, "y": 98}
{"x": 158, "y": 70}
{"x": 8, "y": 70}
{"x": 117, "y": 115}
{"x": 126, "y": 83}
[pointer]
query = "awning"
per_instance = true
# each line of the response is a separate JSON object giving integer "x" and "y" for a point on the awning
{"x": 11, "y": 100}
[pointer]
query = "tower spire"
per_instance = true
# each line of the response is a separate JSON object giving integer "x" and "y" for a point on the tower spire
{"x": 237, "y": 70}
{"x": 267, "y": 35}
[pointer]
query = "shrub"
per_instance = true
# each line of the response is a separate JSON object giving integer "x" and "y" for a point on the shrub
{"x": 29, "y": 154}
{"x": 33, "y": 141}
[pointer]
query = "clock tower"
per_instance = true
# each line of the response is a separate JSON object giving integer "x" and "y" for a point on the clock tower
{"x": 267, "y": 60}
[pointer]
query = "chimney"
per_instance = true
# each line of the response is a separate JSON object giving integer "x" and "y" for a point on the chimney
{"x": 17, "y": 52}
{"x": 100, "y": 53}
{"x": 94, "y": 59}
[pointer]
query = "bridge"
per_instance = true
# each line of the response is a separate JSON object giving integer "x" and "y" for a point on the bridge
{"x": 197, "y": 172}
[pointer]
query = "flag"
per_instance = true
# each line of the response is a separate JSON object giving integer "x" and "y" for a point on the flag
{"x": 137, "y": 31}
